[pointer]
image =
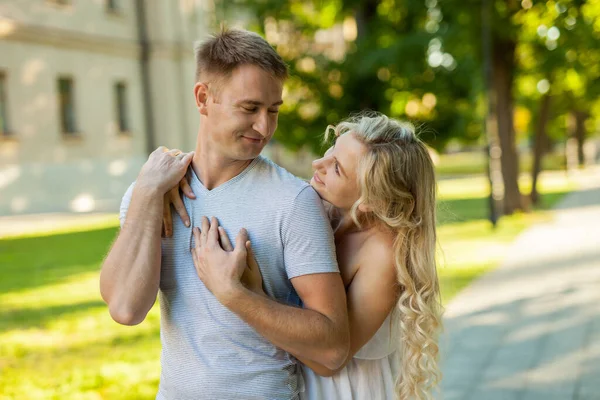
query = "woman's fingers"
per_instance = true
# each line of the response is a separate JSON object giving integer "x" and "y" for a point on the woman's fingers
{"x": 177, "y": 202}
{"x": 225, "y": 242}
{"x": 186, "y": 188}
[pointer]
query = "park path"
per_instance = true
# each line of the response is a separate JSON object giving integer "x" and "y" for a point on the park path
{"x": 530, "y": 330}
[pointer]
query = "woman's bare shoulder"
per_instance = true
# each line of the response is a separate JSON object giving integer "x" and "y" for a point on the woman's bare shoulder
{"x": 377, "y": 253}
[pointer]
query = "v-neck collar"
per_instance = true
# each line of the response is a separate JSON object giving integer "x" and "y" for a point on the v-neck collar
{"x": 198, "y": 186}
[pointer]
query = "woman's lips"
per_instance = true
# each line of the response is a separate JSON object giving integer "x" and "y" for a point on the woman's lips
{"x": 316, "y": 178}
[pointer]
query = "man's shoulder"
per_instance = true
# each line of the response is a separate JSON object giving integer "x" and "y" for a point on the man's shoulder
{"x": 279, "y": 179}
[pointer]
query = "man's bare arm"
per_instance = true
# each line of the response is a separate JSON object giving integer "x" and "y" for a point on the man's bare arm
{"x": 319, "y": 331}
{"x": 130, "y": 275}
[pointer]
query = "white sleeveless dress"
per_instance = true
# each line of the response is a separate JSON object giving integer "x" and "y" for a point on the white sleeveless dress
{"x": 370, "y": 375}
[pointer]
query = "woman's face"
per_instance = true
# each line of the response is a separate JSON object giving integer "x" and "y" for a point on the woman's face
{"x": 335, "y": 178}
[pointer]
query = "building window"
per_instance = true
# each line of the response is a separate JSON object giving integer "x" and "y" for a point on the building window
{"x": 66, "y": 102}
{"x": 60, "y": 2}
{"x": 112, "y": 6}
{"x": 121, "y": 107}
{"x": 4, "y": 129}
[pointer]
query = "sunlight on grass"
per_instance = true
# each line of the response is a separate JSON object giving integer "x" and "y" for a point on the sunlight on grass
{"x": 468, "y": 246}
{"x": 57, "y": 340}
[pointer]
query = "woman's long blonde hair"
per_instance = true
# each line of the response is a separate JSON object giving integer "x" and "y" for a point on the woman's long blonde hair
{"x": 397, "y": 184}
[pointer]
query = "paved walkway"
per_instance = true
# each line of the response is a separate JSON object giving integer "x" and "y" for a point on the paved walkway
{"x": 530, "y": 330}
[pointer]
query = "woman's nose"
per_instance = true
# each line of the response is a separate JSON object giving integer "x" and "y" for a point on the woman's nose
{"x": 317, "y": 164}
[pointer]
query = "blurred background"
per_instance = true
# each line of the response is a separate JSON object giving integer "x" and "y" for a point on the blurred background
{"x": 506, "y": 93}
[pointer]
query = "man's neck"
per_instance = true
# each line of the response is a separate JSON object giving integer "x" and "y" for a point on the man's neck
{"x": 213, "y": 169}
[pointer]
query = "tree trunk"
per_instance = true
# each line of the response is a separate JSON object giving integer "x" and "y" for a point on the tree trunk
{"x": 580, "y": 118}
{"x": 503, "y": 73}
{"x": 365, "y": 13}
{"x": 540, "y": 146}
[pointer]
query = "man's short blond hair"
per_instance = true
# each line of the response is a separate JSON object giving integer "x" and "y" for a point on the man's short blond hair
{"x": 220, "y": 54}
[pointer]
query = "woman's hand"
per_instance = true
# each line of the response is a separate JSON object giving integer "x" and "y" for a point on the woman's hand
{"x": 174, "y": 197}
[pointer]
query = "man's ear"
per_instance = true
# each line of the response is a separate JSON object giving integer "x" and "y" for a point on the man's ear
{"x": 201, "y": 95}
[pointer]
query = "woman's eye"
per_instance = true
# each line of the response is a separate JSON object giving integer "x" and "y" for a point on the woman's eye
{"x": 337, "y": 169}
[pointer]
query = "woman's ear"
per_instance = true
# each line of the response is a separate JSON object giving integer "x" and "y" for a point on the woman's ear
{"x": 201, "y": 95}
{"x": 364, "y": 208}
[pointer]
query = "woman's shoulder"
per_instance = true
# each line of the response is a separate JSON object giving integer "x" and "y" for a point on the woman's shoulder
{"x": 377, "y": 252}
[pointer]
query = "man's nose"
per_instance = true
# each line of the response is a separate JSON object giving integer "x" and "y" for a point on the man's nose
{"x": 261, "y": 124}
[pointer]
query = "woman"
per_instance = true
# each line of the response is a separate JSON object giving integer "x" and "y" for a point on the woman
{"x": 378, "y": 182}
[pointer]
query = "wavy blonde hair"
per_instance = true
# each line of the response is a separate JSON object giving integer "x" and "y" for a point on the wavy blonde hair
{"x": 397, "y": 183}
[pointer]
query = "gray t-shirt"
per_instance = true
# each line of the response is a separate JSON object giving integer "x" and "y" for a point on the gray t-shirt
{"x": 208, "y": 352}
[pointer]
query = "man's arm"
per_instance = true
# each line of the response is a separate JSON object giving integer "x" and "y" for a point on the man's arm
{"x": 130, "y": 275}
{"x": 372, "y": 295}
{"x": 319, "y": 331}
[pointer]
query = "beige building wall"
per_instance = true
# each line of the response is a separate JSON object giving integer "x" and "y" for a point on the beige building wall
{"x": 44, "y": 170}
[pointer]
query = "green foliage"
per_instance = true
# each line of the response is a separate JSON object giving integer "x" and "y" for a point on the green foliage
{"x": 422, "y": 60}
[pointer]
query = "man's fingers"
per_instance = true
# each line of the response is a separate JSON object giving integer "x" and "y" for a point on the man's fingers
{"x": 174, "y": 152}
{"x": 213, "y": 232}
{"x": 240, "y": 240}
{"x": 186, "y": 188}
{"x": 225, "y": 242}
{"x": 197, "y": 239}
{"x": 249, "y": 250}
{"x": 195, "y": 255}
{"x": 186, "y": 159}
{"x": 205, "y": 228}
{"x": 167, "y": 218}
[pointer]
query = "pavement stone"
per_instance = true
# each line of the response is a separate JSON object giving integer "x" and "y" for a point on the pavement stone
{"x": 530, "y": 330}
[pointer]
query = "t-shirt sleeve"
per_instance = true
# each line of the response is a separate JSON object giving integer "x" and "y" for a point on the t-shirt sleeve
{"x": 125, "y": 204}
{"x": 308, "y": 242}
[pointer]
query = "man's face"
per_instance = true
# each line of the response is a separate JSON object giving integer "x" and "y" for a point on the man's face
{"x": 241, "y": 116}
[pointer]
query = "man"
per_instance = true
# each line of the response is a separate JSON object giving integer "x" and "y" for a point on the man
{"x": 208, "y": 350}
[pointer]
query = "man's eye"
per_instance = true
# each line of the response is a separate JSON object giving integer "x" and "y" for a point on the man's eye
{"x": 250, "y": 109}
{"x": 274, "y": 111}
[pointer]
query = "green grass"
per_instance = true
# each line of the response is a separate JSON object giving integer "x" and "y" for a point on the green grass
{"x": 57, "y": 340}
{"x": 470, "y": 163}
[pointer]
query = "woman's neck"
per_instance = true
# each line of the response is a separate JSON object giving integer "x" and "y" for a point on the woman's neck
{"x": 346, "y": 224}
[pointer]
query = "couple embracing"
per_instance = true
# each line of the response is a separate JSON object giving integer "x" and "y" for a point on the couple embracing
{"x": 271, "y": 287}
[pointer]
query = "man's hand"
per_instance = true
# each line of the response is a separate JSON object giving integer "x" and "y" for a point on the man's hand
{"x": 219, "y": 269}
{"x": 164, "y": 170}
{"x": 174, "y": 197}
